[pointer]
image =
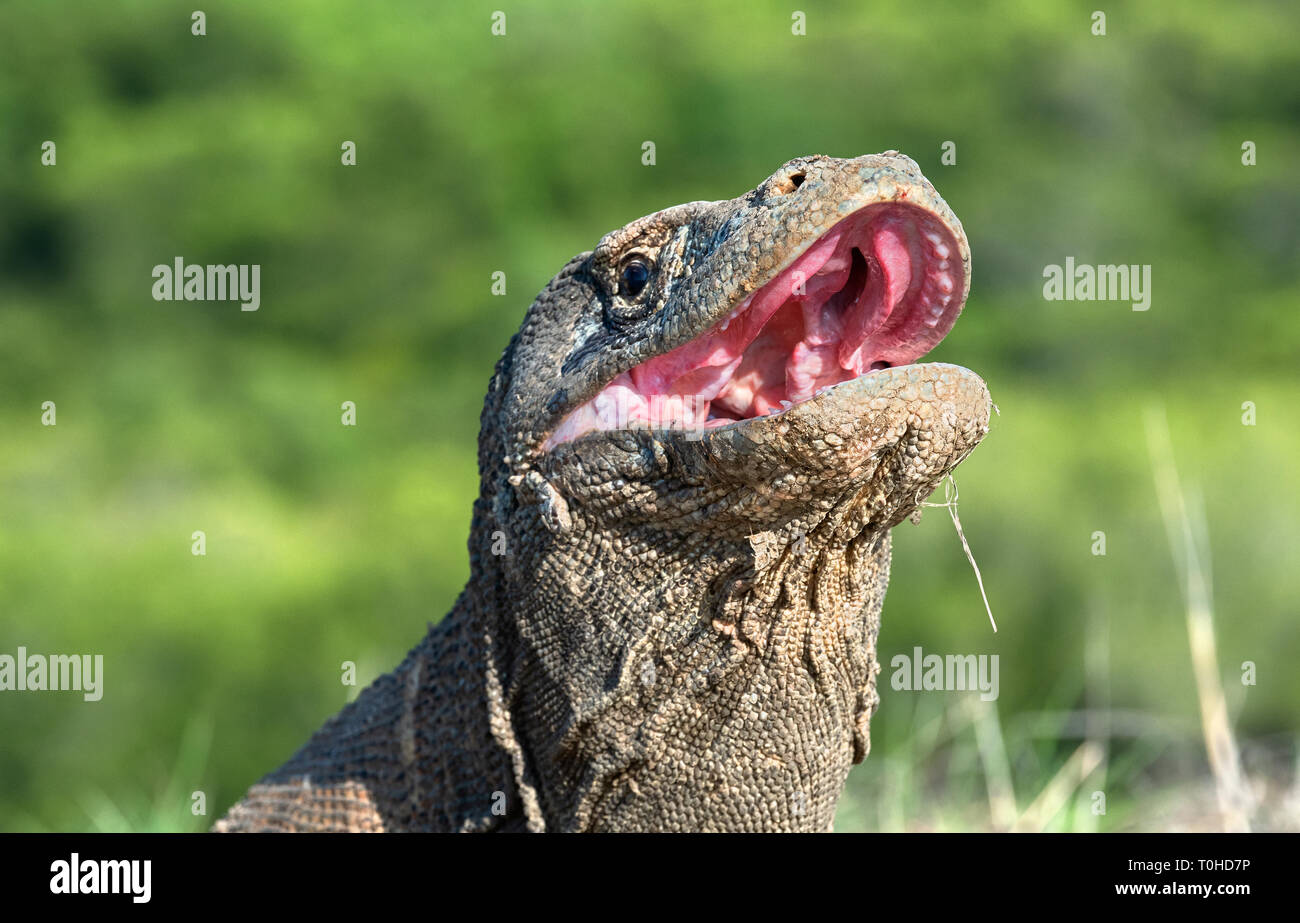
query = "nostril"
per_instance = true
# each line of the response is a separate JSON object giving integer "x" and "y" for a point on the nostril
{"x": 788, "y": 184}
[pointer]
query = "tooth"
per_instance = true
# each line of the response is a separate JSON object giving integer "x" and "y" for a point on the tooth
{"x": 937, "y": 245}
{"x": 945, "y": 284}
{"x": 736, "y": 312}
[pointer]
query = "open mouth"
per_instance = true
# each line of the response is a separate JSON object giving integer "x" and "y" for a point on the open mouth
{"x": 879, "y": 289}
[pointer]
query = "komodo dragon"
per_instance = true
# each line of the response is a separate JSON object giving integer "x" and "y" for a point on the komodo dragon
{"x": 691, "y": 455}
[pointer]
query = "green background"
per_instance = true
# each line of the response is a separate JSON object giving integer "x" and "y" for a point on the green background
{"x": 479, "y": 153}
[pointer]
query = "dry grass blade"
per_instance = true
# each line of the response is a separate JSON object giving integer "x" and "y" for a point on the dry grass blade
{"x": 997, "y": 768}
{"x": 1184, "y": 522}
{"x": 950, "y": 504}
{"x": 1056, "y": 793}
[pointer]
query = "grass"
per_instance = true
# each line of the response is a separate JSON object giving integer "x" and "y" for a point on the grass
{"x": 960, "y": 743}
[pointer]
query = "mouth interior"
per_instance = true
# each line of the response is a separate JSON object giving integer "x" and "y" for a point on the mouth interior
{"x": 881, "y": 288}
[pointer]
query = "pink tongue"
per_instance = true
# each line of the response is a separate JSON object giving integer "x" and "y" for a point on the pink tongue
{"x": 704, "y": 365}
{"x": 755, "y": 360}
{"x": 872, "y": 310}
{"x": 810, "y": 368}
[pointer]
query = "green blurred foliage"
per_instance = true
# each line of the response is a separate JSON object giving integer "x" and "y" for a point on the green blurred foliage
{"x": 477, "y": 154}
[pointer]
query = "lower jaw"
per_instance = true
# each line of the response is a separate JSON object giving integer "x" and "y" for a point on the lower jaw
{"x": 830, "y": 436}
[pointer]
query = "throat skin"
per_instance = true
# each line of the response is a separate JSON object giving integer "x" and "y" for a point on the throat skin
{"x": 477, "y": 730}
{"x": 660, "y": 691}
{"x": 666, "y": 630}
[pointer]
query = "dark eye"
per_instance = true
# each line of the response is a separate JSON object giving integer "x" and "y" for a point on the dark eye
{"x": 636, "y": 273}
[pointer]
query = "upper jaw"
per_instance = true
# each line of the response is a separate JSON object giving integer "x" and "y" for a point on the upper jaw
{"x": 858, "y": 267}
{"x": 781, "y": 227}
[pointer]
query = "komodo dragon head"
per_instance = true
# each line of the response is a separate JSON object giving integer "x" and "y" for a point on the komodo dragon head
{"x": 691, "y": 457}
{"x": 694, "y": 451}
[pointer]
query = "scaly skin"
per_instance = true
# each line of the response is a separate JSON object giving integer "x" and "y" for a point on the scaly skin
{"x": 662, "y": 630}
